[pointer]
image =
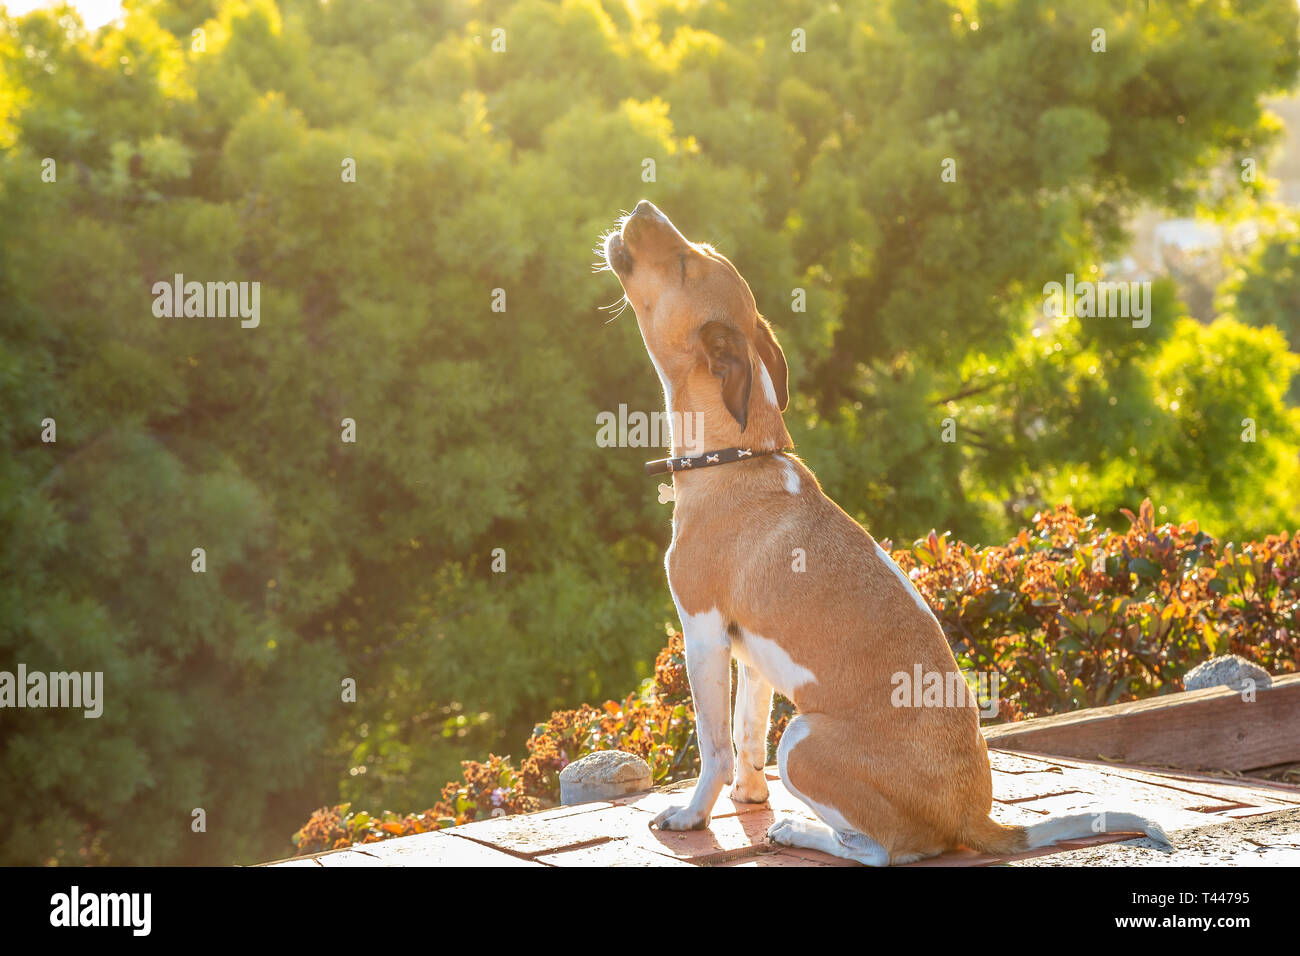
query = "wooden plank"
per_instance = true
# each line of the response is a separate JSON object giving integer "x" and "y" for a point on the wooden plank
{"x": 1204, "y": 729}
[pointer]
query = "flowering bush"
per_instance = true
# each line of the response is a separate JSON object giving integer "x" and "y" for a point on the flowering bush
{"x": 1066, "y": 615}
{"x": 1069, "y": 616}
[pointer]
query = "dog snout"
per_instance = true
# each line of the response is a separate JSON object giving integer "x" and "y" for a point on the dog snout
{"x": 645, "y": 237}
{"x": 647, "y": 210}
{"x": 648, "y": 230}
{"x": 646, "y": 220}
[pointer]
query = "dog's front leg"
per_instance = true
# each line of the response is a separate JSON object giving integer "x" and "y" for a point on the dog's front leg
{"x": 753, "y": 714}
{"x": 708, "y": 667}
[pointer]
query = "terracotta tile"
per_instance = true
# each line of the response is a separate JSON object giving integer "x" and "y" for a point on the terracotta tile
{"x": 725, "y": 838}
{"x": 780, "y": 801}
{"x": 658, "y": 800}
{"x": 1229, "y": 788}
{"x": 786, "y": 857}
{"x": 611, "y": 853}
{"x": 814, "y": 857}
{"x": 1039, "y": 794}
{"x": 1188, "y": 793}
{"x": 351, "y": 857}
{"x": 1017, "y": 814}
{"x": 962, "y": 857}
{"x": 440, "y": 848}
{"x": 532, "y": 835}
{"x": 1239, "y": 812}
{"x": 555, "y": 813}
{"x": 786, "y": 804}
{"x": 1011, "y": 764}
{"x": 1110, "y": 776}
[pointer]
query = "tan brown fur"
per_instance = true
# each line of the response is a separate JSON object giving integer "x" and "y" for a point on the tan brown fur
{"x": 922, "y": 784}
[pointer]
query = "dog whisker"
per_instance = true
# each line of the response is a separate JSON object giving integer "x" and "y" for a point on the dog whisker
{"x": 602, "y": 263}
{"x": 620, "y": 304}
{"x": 599, "y": 251}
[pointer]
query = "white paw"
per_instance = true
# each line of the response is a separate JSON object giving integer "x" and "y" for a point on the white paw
{"x": 784, "y": 832}
{"x": 750, "y": 790}
{"x": 680, "y": 818}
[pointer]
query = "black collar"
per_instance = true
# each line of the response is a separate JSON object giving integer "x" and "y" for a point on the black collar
{"x": 723, "y": 456}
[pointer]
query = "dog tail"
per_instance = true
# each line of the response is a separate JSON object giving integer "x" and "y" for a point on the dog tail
{"x": 989, "y": 836}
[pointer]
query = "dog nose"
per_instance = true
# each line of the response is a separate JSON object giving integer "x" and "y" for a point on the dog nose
{"x": 648, "y": 210}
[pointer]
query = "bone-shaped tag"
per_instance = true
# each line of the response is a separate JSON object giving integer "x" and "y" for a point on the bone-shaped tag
{"x": 667, "y": 493}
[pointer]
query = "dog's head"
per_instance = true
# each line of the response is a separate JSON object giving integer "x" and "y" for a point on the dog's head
{"x": 698, "y": 318}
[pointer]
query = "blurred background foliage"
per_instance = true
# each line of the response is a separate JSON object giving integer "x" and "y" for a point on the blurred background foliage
{"x": 218, "y": 155}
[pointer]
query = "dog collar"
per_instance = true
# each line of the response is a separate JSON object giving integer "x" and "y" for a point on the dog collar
{"x": 723, "y": 456}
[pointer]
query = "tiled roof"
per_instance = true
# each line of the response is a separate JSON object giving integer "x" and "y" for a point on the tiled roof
{"x": 1027, "y": 787}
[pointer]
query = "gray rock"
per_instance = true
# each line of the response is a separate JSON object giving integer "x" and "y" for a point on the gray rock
{"x": 1227, "y": 671}
{"x": 603, "y": 775}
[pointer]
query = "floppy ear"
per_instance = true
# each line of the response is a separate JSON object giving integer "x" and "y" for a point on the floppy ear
{"x": 725, "y": 349}
{"x": 774, "y": 361}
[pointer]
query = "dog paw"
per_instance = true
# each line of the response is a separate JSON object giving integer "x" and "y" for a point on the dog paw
{"x": 749, "y": 790}
{"x": 680, "y": 818}
{"x": 784, "y": 832}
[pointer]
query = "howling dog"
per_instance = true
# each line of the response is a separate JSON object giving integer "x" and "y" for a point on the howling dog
{"x": 889, "y": 784}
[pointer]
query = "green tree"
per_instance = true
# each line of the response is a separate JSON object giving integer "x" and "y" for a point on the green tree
{"x": 1263, "y": 289}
